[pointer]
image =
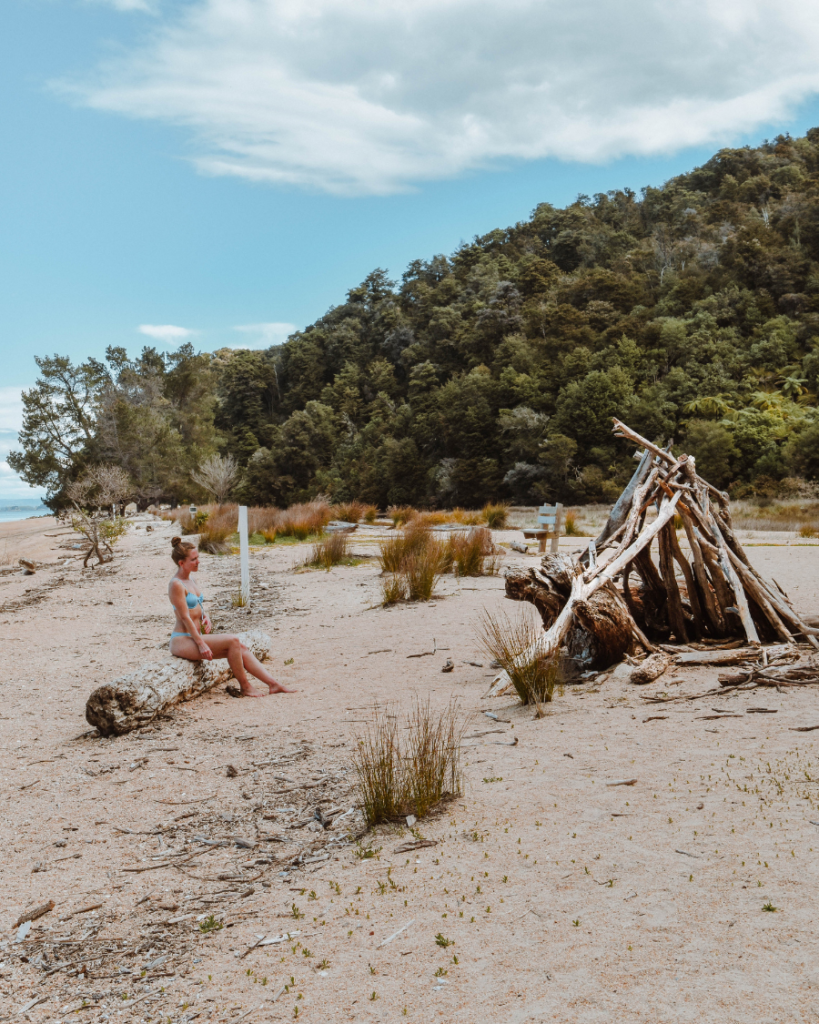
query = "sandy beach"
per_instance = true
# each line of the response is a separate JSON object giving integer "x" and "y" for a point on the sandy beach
{"x": 548, "y": 895}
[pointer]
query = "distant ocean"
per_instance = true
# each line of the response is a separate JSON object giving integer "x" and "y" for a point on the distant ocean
{"x": 11, "y": 515}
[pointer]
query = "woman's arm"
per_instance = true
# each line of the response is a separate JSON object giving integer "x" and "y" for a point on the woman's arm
{"x": 180, "y": 604}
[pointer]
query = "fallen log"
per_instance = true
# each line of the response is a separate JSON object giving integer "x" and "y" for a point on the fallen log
{"x": 133, "y": 700}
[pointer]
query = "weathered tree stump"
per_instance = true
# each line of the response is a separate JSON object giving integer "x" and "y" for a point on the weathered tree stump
{"x": 135, "y": 699}
{"x": 602, "y": 629}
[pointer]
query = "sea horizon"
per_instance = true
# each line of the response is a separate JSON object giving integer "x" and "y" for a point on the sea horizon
{"x": 9, "y": 512}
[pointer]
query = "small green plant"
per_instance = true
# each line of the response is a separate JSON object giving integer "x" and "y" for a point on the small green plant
{"x": 373, "y": 997}
{"x": 442, "y": 942}
{"x": 769, "y": 907}
{"x": 372, "y": 969}
{"x": 210, "y": 924}
{"x": 494, "y": 778}
{"x": 441, "y": 973}
{"x": 306, "y": 952}
{"x": 576, "y": 923}
{"x": 325, "y": 963}
{"x": 297, "y": 914}
{"x": 290, "y": 661}
{"x": 455, "y": 960}
{"x": 366, "y": 853}
{"x": 237, "y": 599}
{"x": 312, "y": 895}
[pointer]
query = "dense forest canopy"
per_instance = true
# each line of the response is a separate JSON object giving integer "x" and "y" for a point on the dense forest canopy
{"x": 691, "y": 311}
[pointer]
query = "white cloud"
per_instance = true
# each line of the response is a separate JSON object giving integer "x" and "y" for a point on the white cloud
{"x": 127, "y": 5}
{"x": 264, "y": 335}
{"x": 11, "y": 419}
{"x": 373, "y": 96}
{"x": 11, "y": 409}
{"x": 166, "y": 333}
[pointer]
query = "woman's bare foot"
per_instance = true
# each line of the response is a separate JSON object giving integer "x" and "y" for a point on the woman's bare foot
{"x": 247, "y": 692}
{"x": 275, "y": 687}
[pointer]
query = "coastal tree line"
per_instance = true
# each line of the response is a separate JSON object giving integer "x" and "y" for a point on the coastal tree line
{"x": 691, "y": 311}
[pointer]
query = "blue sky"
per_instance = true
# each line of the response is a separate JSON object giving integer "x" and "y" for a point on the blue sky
{"x": 229, "y": 168}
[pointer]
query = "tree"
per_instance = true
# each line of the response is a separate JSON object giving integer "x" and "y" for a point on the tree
{"x": 217, "y": 475}
{"x": 95, "y": 496}
{"x": 59, "y": 423}
{"x": 713, "y": 447}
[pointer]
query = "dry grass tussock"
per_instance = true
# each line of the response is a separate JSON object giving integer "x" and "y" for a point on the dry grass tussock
{"x": 496, "y": 516}
{"x": 218, "y": 528}
{"x": 355, "y": 512}
{"x": 414, "y": 561}
{"x": 473, "y": 553}
{"x": 298, "y": 521}
{"x": 571, "y": 524}
{"x": 303, "y": 521}
{"x": 330, "y": 551}
{"x": 504, "y": 640}
{"x": 412, "y": 769}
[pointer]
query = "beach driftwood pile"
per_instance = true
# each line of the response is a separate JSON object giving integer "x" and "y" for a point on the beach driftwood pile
{"x": 133, "y": 700}
{"x": 616, "y": 597}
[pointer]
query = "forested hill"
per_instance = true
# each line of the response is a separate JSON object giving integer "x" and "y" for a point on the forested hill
{"x": 691, "y": 311}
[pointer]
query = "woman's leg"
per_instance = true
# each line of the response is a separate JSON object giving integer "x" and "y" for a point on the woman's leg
{"x": 223, "y": 645}
{"x": 255, "y": 668}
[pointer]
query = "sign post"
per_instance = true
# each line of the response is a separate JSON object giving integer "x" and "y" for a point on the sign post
{"x": 243, "y": 555}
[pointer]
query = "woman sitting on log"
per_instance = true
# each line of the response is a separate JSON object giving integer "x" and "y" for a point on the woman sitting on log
{"x": 187, "y": 639}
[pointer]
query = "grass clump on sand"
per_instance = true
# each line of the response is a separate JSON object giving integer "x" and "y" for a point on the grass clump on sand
{"x": 349, "y": 511}
{"x": 414, "y": 561}
{"x": 505, "y": 639}
{"x": 571, "y": 525}
{"x": 496, "y": 516}
{"x": 410, "y": 770}
{"x": 473, "y": 553}
{"x": 401, "y": 514}
{"x": 303, "y": 521}
{"x": 216, "y": 531}
{"x": 332, "y": 550}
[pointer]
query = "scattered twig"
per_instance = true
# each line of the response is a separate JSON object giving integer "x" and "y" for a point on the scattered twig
{"x": 417, "y": 845}
{"x": 395, "y": 935}
{"x": 32, "y": 915}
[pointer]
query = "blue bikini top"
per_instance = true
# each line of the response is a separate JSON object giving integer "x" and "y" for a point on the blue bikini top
{"x": 192, "y": 600}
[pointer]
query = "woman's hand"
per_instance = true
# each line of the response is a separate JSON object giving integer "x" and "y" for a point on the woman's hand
{"x": 206, "y": 652}
{"x": 207, "y": 625}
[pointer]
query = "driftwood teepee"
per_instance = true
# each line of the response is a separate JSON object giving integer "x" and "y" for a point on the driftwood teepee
{"x": 615, "y": 597}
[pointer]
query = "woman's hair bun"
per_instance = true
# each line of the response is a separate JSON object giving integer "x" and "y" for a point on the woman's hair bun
{"x": 175, "y": 541}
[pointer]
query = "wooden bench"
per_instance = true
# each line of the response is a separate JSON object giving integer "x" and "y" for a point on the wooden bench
{"x": 550, "y": 520}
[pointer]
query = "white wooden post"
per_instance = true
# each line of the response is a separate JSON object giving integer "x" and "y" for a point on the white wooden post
{"x": 243, "y": 555}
